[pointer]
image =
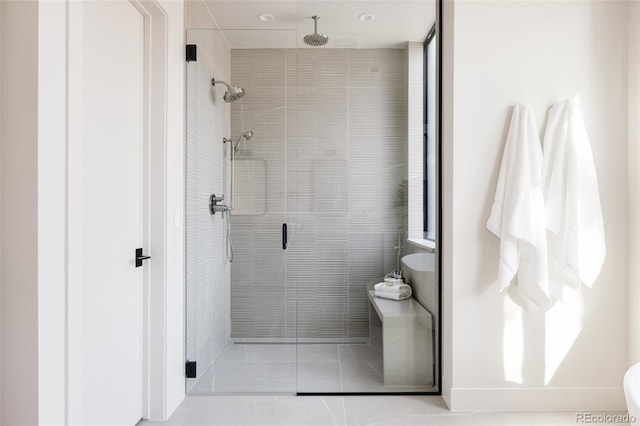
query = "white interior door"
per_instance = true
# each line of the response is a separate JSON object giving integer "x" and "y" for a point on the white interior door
{"x": 106, "y": 212}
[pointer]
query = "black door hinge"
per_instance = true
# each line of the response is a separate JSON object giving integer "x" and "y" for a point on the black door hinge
{"x": 190, "y": 369}
{"x": 192, "y": 52}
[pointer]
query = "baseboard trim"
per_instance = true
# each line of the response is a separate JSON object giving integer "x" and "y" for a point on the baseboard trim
{"x": 535, "y": 399}
{"x": 446, "y": 391}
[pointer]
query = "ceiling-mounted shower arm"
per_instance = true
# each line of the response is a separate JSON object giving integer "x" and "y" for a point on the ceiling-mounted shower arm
{"x": 316, "y": 39}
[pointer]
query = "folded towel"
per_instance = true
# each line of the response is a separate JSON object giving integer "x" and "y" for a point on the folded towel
{"x": 394, "y": 292}
{"x": 577, "y": 247}
{"x": 392, "y": 281}
{"x": 393, "y": 295}
{"x": 396, "y": 288}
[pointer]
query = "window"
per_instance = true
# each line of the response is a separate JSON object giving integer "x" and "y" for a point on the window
{"x": 430, "y": 104}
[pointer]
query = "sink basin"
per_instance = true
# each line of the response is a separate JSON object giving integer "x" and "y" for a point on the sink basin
{"x": 420, "y": 262}
{"x": 419, "y": 270}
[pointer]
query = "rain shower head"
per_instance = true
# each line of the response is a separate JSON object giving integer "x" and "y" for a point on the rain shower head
{"x": 316, "y": 39}
{"x": 232, "y": 94}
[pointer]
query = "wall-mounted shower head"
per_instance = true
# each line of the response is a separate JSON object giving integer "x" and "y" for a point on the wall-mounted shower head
{"x": 316, "y": 39}
{"x": 232, "y": 94}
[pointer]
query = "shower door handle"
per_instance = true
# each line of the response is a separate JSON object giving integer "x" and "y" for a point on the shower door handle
{"x": 284, "y": 236}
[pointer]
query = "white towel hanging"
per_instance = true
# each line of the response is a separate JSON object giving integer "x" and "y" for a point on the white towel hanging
{"x": 577, "y": 247}
{"x": 517, "y": 214}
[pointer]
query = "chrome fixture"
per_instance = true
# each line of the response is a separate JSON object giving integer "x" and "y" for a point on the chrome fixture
{"x": 401, "y": 238}
{"x": 245, "y": 136}
{"x": 232, "y": 94}
{"x": 315, "y": 39}
{"x": 215, "y": 207}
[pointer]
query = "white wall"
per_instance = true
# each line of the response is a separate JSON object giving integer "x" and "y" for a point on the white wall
{"x": 51, "y": 212}
{"x": 500, "y": 357}
{"x": 174, "y": 295}
{"x": 19, "y": 227}
{"x": 633, "y": 17}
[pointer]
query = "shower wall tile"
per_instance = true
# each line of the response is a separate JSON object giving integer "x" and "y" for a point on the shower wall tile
{"x": 376, "y": 68}
{"x": 334, "y": 131}
{"x": 319, "y": 119}
{"x": 262, "y": 68}
{"x": 207, "y": 271}
{"x": 325, "y": 68}
{"x": 259, "y": 293}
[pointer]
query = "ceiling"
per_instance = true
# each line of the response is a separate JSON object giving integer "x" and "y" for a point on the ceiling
{"x": 395, "y": 23}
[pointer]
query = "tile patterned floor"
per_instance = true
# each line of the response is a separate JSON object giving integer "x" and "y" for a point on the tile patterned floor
{"x": 272, "y": 368}
{"x": 270, "y": 410}
{"x": 265, "y": 369}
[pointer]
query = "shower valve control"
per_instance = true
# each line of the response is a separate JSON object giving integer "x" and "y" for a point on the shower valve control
{"x": 214, "y": 206}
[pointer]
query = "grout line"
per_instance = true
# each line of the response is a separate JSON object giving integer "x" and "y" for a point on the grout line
{"x": 374, "y": 369}
{"x": 344, "y": 410}
{"x": 333, "y": 418}
{"x": 340, "y": 368}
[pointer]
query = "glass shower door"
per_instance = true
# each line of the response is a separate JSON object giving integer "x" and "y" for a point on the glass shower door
{"x": 350, "y": 174}
{"x": 240, "y": 307}
{"x": 263, "y": 315}
{"x": 278, "y": 290}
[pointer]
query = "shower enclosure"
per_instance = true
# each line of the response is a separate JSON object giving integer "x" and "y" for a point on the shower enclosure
{"x": 318, "y": 195}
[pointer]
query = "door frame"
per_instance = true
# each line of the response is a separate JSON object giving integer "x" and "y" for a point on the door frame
{"x": 155, "y": 206}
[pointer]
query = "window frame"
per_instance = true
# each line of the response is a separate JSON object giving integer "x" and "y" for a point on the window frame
{"x": 428, "y": 233}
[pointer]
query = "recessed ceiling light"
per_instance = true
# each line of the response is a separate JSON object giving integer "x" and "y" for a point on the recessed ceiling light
{"x": 265, "y": 17}
{"x": 366, "y": 17}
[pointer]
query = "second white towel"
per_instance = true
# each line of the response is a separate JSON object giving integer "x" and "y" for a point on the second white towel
{"x": 574, "y": 215}
{"x": 393, "y": 292}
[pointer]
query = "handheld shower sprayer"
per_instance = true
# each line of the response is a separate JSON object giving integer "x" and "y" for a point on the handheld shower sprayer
{"x": 245, "y": 136}
{"x": 214, "y": 200}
